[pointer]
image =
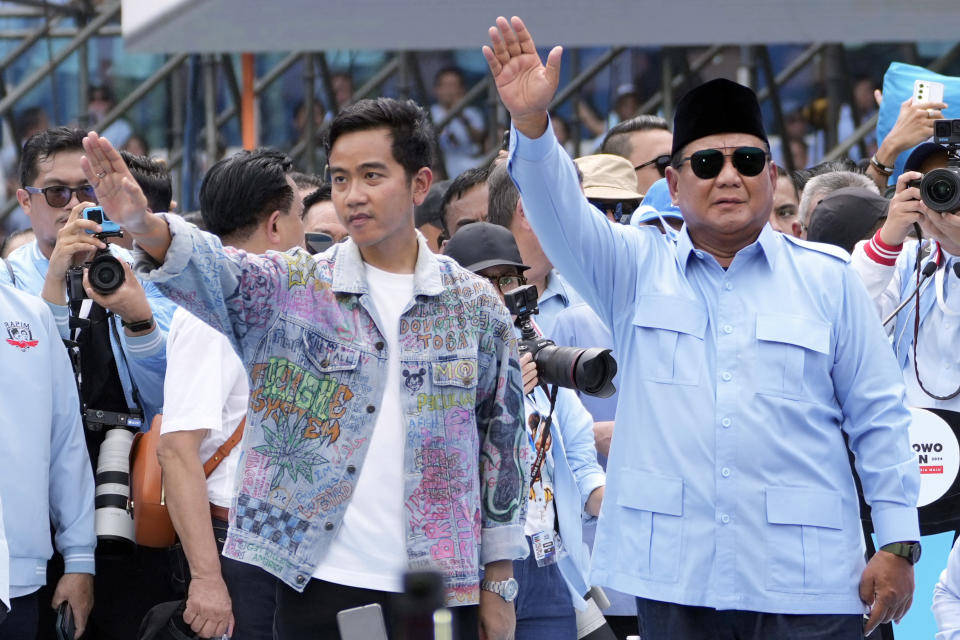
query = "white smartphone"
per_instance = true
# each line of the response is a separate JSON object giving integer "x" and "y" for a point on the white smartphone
{"x": 362, "y": 623}
{"x": 927, "y": 91}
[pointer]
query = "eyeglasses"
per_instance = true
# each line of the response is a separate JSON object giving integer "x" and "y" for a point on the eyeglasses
{"x": 707, "y": 163}
{"x": 662, "y": 163}
{"x": 59, "y": 195}
{"x": 506, "y": 284}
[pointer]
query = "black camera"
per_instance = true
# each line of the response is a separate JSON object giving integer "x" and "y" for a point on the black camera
{"x": 940, "y": 188}
{"x": 590, "y": 371}
{"x": 105, "y": 274}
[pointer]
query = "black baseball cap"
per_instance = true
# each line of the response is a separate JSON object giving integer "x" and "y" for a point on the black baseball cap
{"x": 920, "y": 154}
{"x": 846, "y": 216}
{"x": 479, "y": 245}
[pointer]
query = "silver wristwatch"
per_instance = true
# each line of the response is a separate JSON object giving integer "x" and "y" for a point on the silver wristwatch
{"x": 506, "y": 589}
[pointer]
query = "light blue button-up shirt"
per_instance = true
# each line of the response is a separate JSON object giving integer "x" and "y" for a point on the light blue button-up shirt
{"x": 558, "y": 296}
{"x": 728, "y": 484}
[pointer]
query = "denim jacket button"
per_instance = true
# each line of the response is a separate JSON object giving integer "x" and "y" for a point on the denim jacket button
{"x": 379, "y": 346}
{"x": 301, "y": 579}
{"x": 325, "y": 363}
{"x": 371, "y": 408}
{"x": 328, "y": 526}
{"x": 351, "y": 468}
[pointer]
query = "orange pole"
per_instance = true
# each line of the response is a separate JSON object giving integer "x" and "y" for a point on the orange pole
{"x": 248, "y": 121}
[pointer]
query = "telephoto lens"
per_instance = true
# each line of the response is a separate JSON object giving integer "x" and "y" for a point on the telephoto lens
{"x": 114, "y": 524}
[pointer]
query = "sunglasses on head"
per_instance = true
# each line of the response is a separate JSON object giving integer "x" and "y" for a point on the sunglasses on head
{"x": 662, "y": 163}
{"x": 707, "y": 163}
{"x": 58, "y": 195}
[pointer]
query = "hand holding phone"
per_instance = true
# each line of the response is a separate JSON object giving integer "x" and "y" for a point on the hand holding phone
{"x": 927, "y": 91}
{"x": 66, "y": 626}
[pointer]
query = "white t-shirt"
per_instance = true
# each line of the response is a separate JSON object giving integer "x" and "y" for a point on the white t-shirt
{"x": 205, "y": 388}
{"x": 370, "y": 550}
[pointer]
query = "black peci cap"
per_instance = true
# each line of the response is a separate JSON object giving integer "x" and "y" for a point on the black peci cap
{"x": 480, "y": 245}
{"x": 718, "y": 106}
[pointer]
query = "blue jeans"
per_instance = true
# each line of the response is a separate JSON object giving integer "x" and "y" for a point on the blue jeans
{"x": 252, "y": 590}
{"x": 668, "y": 621}
{"x": 544, "y": 608}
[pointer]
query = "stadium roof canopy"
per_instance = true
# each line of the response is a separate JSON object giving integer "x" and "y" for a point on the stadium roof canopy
{"x": 316, "y": 25}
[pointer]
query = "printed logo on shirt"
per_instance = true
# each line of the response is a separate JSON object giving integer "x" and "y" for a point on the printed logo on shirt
{"x": 19, "y": 335}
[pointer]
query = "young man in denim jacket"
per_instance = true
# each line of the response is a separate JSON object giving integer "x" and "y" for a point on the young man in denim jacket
{"x": 373, "y": 348}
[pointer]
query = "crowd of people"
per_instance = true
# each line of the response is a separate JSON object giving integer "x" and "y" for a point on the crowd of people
{"x": 334, "y": 371}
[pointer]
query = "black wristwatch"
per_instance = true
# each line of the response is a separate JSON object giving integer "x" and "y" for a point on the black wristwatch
{"x": 139, "y": 325}
{"x": 909, "y": 551}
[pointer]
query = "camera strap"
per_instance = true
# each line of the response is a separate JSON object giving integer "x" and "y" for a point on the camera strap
{"x": 937, "y": 259}
{"x": 134, "y": 390}
{"x": 535, "y": 470}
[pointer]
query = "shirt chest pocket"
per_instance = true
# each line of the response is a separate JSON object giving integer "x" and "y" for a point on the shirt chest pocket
{"x": 328, "y": 356}
{"x": 670, "y": 334}
{"x": 787, "y": 347}
{"x": 805, "y": 542}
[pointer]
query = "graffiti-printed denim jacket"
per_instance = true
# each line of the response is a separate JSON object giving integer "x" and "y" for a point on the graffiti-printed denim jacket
{"x": 306, "y": 329}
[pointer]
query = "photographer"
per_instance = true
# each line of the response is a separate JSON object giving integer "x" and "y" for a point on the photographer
{"x": 121, "y": 346}
{"x": 567, "y": 483}
{"x": 53, "y": 194}
{"x": 888, "y": 264}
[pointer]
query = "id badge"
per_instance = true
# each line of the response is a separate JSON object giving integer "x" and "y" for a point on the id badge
{"x": 547, "y": 547}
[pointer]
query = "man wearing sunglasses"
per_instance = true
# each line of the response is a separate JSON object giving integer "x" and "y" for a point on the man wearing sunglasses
{"x": 122, "y": 352}
{"x": 747, "y": 355}
{"x": 645, "y": 141}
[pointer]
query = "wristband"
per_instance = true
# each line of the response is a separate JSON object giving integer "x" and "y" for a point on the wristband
{"x": 139, "y": 325}
{"x": 882, "y": 169}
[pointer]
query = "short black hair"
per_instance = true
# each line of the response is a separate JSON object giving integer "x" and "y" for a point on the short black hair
{"x": 617, "y": 142}
{"x": 323, "y": 194}
{"x": 153, "y": 178}
{"x": 45, "y": 144}
{"x": 461, "y": 184}
{"x": 409, "y": 127}
{"x": 306, "y": 180}
{"x": 240, "y": 191}
{"x": 503, "y": 197}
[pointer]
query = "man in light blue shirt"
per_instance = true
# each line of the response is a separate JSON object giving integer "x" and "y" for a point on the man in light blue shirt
{"x": 505, "y": 208}
{"x": 747, "y": 355}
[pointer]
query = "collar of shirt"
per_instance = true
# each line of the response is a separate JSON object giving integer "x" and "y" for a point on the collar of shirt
{"x": 348, "y": 272}
{"x": 767, "y": 244}
{"x": 556, "y": 287}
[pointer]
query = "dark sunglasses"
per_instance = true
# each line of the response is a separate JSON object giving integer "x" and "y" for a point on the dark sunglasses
{"x": 58, "y": 195}
{"x": 706, "y": 164}
{"x": 662, "y": 163}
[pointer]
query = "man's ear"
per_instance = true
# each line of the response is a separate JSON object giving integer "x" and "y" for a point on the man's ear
{"x": 673, "y": 180}
{"x": 24, "y": 199}
{"x": 271, "y": 226}
{"x": 420, "y": 185}
{"x": 520, "y": 217}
